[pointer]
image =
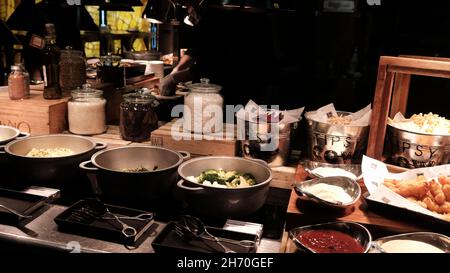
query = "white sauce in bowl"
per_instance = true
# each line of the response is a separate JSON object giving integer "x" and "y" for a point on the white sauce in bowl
{"x": 409, "y": 246}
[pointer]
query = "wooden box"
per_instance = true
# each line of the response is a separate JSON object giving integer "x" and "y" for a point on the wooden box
{"x": 35, "y": 115}
{"x": 196, "y": 144}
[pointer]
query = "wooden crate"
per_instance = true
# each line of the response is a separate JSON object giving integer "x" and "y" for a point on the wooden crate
{"x": 196, "y": 144}
{"x": 35, "y": 115}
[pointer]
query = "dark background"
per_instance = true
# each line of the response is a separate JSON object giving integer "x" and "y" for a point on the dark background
{"x": 311, "y": 57}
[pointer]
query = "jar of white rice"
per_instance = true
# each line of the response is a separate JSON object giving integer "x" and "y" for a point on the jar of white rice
{"x": 86, "y": 111}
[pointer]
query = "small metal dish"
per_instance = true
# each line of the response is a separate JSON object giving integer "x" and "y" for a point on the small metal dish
{"x": 355, "y": 230}
{"x": 438, "y": 240}
{"x": 310, "y": 166}
{"x": 351, "y": 187}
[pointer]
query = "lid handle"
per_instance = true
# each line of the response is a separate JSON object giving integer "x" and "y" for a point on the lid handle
{"x": 86, "y": 86}
{"x": 204, "y": 80}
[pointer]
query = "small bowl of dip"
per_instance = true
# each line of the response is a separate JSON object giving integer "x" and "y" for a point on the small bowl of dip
{"x": 318, "y": 169}
{"x": 333, "y": 192}
{"x": 334, "y": 237}
{"x": 417, "y": 242}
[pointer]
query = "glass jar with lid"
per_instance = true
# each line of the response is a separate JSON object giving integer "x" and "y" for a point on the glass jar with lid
{"x": 72, "y": 69}
{"x": 203, "y": 108}
{"x": 18, "y": 83}
{"x": 138, "y": 116}
{"x": 87, "y": 111}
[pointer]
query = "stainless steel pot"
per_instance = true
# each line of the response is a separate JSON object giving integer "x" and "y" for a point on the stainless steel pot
{"x": 50, "y": 171}
{"x": 414, "y": 150}
{"x": 8, "y": 134}
{"x": 336, "y": 144}
{"x": 117, "y": 185}
{"x": 225, "y": 202}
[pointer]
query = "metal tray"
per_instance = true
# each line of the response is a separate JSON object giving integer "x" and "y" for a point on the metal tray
{"x": 168, "y": 241}
{"x": 108, "y": 230}
{"x": 23, "y": 203}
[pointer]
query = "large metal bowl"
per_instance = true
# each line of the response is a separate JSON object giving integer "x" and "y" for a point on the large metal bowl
{"x": 49, "y": 171}
{"x": 138, "y": 189}
{"x": 225, "y": 202}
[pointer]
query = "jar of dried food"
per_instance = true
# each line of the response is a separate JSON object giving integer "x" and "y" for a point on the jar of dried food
{"x": 203, "y": 108}
{"x": 138, "y": 117}
{"x": 72, "y": 69}
{"x": 86, "y": 111}
{"x": 18, "y": 83}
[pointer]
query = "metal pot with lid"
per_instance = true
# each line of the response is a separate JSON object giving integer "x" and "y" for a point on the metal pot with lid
{"x": 203, "y": 108}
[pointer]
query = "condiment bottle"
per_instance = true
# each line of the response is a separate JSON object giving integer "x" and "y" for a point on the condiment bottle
{"x": 18, "y": 83}
{"x": 72, "y": 69}
{"x": 52, "y": 89}
{"x": 86, "y": 111}
{"x": 138, "y": 117}
{"x": 203, "y": 108}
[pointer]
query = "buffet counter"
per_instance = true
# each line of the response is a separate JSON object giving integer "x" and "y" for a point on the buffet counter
{"x": 42, "y": 233}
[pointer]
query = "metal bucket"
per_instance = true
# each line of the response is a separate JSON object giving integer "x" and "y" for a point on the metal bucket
{"x": 258, "y": 138}
{"x": 415, "y": 150}
{"x": 336, "y": 144}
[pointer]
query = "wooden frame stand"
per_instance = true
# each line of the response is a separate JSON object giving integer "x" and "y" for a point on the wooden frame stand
{"x": 392, "y": 89}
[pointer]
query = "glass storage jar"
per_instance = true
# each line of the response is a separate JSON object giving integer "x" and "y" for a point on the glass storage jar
{"x": 203, "y": 108}
{"x": 87, "y": 111}
{"x": 18, "y": 83}
{"x": 138, "y": 116}
{"x": 72, "y": 69}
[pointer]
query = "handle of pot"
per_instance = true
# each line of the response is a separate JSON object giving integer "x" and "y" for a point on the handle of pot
{"x": 2, "y": 149}
{"x": 83, "y": 165}
{"x": 185, "y": 154}
{"x": 181, "y": 186}
{"x": 100, "y": 146}
{"x": 23, "y": 135}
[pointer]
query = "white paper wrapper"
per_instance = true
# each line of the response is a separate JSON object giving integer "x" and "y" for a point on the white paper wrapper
{"x": 252, "y": 110}
{"x": 375, "y": 172}
{"x": 359, "y": 118}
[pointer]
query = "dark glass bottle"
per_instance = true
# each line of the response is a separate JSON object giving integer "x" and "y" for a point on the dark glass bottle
{"x": 52, "y": 89}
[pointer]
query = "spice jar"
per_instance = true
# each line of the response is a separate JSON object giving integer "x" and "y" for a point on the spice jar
{"x": 72, "y": 69}
{"x": 138, "y": 117}
{"x": 203, "y": 108}
{"x": 18, "y": 83}
{"x": 86, "y": 111}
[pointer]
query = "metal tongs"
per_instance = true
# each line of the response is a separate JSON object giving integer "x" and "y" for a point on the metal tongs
{"x": 192, "y": 228}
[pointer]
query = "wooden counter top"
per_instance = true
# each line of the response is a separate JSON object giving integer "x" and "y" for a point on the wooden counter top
{"x": 301, "y": 213}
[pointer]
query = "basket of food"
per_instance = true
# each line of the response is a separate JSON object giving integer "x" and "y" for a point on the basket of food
{"x": 337, "y": 137}
{"x": 420, "y": 141}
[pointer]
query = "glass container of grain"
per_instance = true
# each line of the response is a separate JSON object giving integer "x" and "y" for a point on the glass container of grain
{"x": 86, "y": 111}
{"x": 203, "y": 108}
{"x": 138, "y": 116}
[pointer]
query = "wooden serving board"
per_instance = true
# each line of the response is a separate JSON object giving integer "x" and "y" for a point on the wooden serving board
{"x": 301, "y": 213}
{"x": 35, "y": 115}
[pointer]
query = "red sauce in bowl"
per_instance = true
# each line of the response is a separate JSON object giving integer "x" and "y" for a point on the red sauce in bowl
{"x": 330, "y": 241}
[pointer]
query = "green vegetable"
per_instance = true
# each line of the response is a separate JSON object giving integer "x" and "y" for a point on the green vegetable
{"x": 232, "y": 179}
